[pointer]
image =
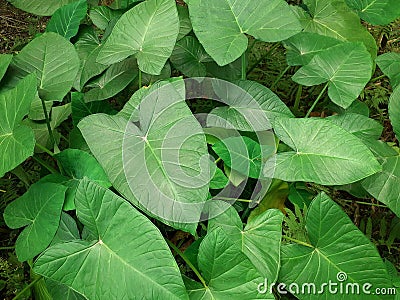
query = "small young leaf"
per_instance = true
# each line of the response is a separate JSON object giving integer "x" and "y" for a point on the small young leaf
{"x": 39, "y": 209}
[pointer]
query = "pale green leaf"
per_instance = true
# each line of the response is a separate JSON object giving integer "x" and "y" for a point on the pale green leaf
{"x": 385, "y": 185}
{"x": 128, "y": 249}
{"x": 376, "y": 12}
{"x": 102, "y": 15}
{"x": 148, "y": 31}
{"x": 324, "y": 153}
{"x": 40, "y": 7}
{"x": 16, "y": 141}
{"x": 389, "y": 63}
{"x": 346, "y": 67}
{"x": 39, "y": 209}
{"x": 337, "y": 250}
{"x": 55, "y": 70}
{"x": 394, "y": 111}
{"x": 221, "y": 25}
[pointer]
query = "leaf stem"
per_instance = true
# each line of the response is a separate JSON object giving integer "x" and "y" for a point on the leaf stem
{"x": 41, "y": 147}
{"x": 29, "y": 286}
{"x": 297, "y": 241}
{"x": 233, "y": 199}
{"x": 45, "y": 164}
{"x": 244, "y": 65}
{"x": 140, "y": 78}
{"x": 280, "y": 77}
{"x": 316, "y": 100}
{"x": 189, "y": 263}
{"x": 46, "y": 115}
{"x": 7, "y": 248}
{"x": 298, "y": 97}
{"x": 377, "y": 78}
{"x": 364, "y": 203}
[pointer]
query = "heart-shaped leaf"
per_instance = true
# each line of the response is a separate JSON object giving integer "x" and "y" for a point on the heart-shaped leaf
{"x": 223, "y": 35}
{"x": 16, "y": 141}
{"x": 227, "y": 272}
{"x": 376, "y": 12}
{"x": 324, "y": 153}
{"x": 39, "y": 209}
{"x": 346, "y": 67}
{"x": 333, "y": 254}
{"x": 266, "y": 226}
{"x": 148, "y": 31}
{"x": 55, "y": 70}
{"x": 302, "y": 47}
{"x": 65, "y": 20}
{"x": 127, "y": 248}
{"x": 334, "y": 19}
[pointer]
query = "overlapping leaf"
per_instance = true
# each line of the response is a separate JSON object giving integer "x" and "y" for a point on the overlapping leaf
{"x": 127, "y": 248}
{"x": 389, "y": 63}
{"x": 377, "y": 12}
{"x": 324, "y": 153}
{"x": 39, "y": 209}
{"x": 55, "y": 70}
{"x": 227, "y": 272}
{"x": 334, "y": 19}
{"x": 394, "y": 111}
{"x": 332, "y": 255}
{"x": 223, "y": 34}
{"x": 65, "y": 21}
{"x": 16, "y": 141}
{"x": 385, "y": 185}
{"x": 5, "y": 60}
{"x": 347, "y": 67}
{"x": 102, "y": 15}
{"x": 40, "y": 7}
{"x": 148, "y": 31}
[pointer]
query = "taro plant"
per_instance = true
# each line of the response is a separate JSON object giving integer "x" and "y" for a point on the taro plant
{"x": 167, "y": 174}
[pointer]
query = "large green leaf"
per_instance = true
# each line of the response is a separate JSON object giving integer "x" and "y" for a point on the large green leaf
{"x": 65, "y": 21}
{"x": 337, "y": 252}
{"x": 55, "y": 70}
{"x": 324, "y": 153}
{"x": 227, "y": 272}
{"x": 39, "y": 209}
{"x": 346, "y": 67}
{"x": 385, "y": 186}
{"x": 302, "y": 47}
{"x": 389, "y": 63}
{"x": 40, "y": 7}
{"x": 160, "y": 117}
{"x": 16, "y": 141}
{"x": 185, "y": 26}
{"x": 5, "y": 60}
{"x": 221, "y": 25}
{"x": 334, "y": 19}
{"x": 115, "y": 79}
{"x": 148, "y": 31}
{"x": 189, "y": 57}
{"x": 252, "y": 239}
{"x": 36, "y": 112}
{"x": 129, "y": 255}
{"x": 394, "y": 111}
{"x": 377, "y": 12}
{"x": 252, "y": 106}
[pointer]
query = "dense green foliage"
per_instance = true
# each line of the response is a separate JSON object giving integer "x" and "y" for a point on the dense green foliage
{"x": 143, "y": 157}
